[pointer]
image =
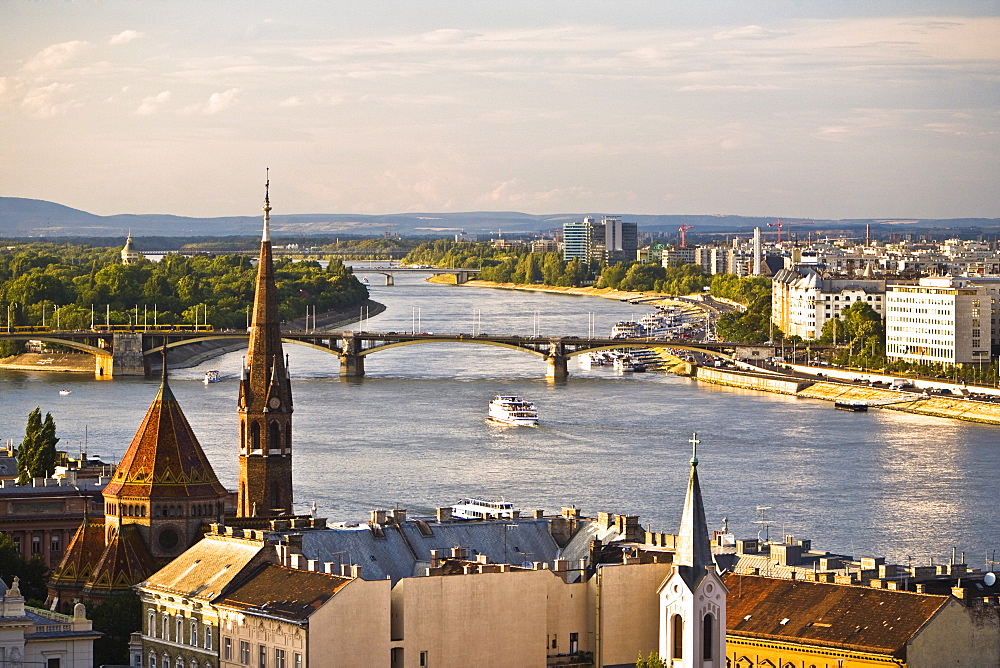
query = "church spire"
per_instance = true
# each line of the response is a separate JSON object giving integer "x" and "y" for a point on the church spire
{"x": 265, "y": 398}
{"x": 693, "y": 546}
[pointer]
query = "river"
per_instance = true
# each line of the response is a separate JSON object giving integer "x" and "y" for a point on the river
{"x": 412, "y": 432}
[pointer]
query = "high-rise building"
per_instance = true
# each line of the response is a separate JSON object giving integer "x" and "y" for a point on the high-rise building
{"x": 610, "y": 240}
{"x": 265, "y": 400}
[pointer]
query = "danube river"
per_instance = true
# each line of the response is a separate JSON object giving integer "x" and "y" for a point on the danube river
{"x": 412, "y": 432}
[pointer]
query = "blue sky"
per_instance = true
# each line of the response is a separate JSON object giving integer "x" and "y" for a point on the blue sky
{"x": 796, "y": 109}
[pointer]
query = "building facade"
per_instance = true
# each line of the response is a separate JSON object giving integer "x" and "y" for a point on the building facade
{"x": 611, "y": 240}
{"x": 941, "y": 320}
{"x": 803, "y": 300}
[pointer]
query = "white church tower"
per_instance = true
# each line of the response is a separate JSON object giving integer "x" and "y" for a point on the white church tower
{"x": 693, "y": 597}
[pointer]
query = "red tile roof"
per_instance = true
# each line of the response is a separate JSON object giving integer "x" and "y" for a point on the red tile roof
{"x": 165, "y": 459}
{"x": 284, "y": 592}
{"x": 878, "y": 621}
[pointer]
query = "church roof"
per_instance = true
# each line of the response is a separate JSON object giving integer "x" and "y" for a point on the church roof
{"x": 283, "y": 592}
{"x": 82, "y": 555}
{"x": 879, "y": 621}
{"x": 693, "y": 546}
{"x": 124, "y": 562}
{"x": 164, "y": 459}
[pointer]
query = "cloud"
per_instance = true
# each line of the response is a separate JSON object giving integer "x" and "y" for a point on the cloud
{"x": 750, "y": 32}
{"x": 735, "y": 87}
{"x": 56, "y": 55}
{"x": 217, "y": 102}
{"x": 124, "y": 37}
{"x": 151, "y": 104}
{"x": 44, "y": 102}
{"x": 294, "y": 101}
{"x": 449, "y": 36}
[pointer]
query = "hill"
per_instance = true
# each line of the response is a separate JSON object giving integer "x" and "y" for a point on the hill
{"x": 21, "y": 217}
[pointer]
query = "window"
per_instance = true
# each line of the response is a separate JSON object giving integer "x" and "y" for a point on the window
{"x": 574, "y": 643}
{"x": 36, "y": 544}
{"x": 423, "y": 659}
{"x": 227, "y": 649}
{"x": 261, "y": 656}
{"x": 194, "y": 633}
{"x": 707, "y": 637}
{"x": 298, "y": 660}
{"x": 279, "y": 658}
{"x": 244, "y": 652}
{"x": 165, "y": 628}
{"x": 55, "y": 544}
{"x": 52, "y": 663}
{"x": 208, "y": 637}
{"x": 677, "y": 631}
{"x": 152, "y": 660}
{"x": 151, "y": 628}
{"x": 180, "y": 631}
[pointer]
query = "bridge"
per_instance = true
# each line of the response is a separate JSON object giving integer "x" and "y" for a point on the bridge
{"x": 461, "y": 275}
{"x": 128, "y": 351}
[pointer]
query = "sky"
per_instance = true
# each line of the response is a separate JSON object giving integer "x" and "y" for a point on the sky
{"x": 824, "y": 109}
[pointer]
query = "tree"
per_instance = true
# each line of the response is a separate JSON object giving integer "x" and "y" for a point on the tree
{"x": 651, "y": 661}
{"x": 36, "y": 458}
{"x": 117, "y": 617}
{"x": 32, "y": 572}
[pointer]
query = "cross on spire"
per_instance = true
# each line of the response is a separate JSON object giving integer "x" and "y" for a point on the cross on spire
{"x": 694, "y": 448}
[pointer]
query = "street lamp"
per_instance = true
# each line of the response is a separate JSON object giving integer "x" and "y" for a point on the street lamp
{"x": 9, "y": 329}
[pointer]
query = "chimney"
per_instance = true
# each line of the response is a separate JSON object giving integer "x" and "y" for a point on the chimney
{"x": 355, "y": 571}
{"x": 539, "y": 513}
{"x": 444, "y": 514}
{"x": 398, "y": 515}
{"x": 378, "y": 517}
{"x": 458, "y": 553}
{"x": 571, "y": 512}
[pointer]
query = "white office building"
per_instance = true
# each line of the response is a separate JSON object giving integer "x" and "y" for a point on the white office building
{"x": 802, "y": 300}
{"x": 940, "y": 320}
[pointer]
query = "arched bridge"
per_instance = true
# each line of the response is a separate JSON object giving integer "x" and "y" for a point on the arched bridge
{"x": 461, "y": 275}
{"x": 128, "y": 352}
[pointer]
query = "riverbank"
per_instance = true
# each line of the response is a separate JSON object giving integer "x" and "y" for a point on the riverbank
{"x": 951, "y": 407}
{"x": 652, "y": 298}
{"x": 182, "y": 357}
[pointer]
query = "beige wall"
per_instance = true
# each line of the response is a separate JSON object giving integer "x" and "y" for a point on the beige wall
{"x": 957, "y": 636}
{"x": 483, "y": 619}
{"x": 352, "y": 628}
{"x": 628, "y": 616}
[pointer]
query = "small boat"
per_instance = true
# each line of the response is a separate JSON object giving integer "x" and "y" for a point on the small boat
{"x": 855, "y": 406}
{"x": 509, "y": 409}
{"x": 479, "y": 509}
{"x": 65, "y": 393}
{"x": 211, "y": 376}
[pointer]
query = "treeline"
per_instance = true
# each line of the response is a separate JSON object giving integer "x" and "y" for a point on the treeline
{"x": 36, "y": 279}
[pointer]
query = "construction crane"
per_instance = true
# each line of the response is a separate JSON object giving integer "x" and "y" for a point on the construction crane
{"x": 682, "y": 228}
{"x": 780, "y": 224}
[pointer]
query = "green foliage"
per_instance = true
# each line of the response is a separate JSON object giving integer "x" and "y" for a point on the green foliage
{"x": 754, "y": 324}
{"x": 861, "y": 333}
{"x": 36, "y": 278}
{"x": 32, "y": 572}
{"x": 651, "y": 661}
{"x": 117, "y": 617}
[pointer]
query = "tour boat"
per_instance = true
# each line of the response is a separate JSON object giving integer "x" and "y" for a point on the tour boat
{"x": 628, "y": 364}
{"x": 855, "y": 406}
{"x": 509, "y": 409}
{"x": 478, "y": 509}
{"x": 65, "y": 392}
{"x": 627, "y": 329}
{"x": 212, "y": 376}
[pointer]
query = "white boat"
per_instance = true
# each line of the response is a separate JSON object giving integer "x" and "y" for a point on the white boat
{"x": 212, "y": 376}
{"x": 627, "y": 329}
{"x": 509, "y": 409}
{"x": 65, "y": 392}
{"x": 628, "y": 364}
{"x": 478, "y": 509}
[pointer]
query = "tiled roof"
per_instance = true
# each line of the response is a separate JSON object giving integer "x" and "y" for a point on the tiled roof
{"x": 82, "y": 555}
{"x": 284, "y": 592}
{"x": 165, "y": 459}
{"x": 124, "y": 562}
{"x": 205, "y": 570}
{"x": 860, "y": 618}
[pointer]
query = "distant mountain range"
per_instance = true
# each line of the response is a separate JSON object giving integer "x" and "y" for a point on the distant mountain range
{"x": 20, "y": 217}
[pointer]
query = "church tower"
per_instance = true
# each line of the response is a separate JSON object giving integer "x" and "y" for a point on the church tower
{"x": 265, "y": 400}
{"x": 693, "y": 597}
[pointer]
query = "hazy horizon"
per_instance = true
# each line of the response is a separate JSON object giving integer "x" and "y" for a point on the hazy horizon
{"x": 822, "y": 110}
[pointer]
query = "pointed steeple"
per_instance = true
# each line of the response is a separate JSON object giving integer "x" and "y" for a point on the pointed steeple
{"x": 693, "y": 546}
{"x": 265, "y": 397}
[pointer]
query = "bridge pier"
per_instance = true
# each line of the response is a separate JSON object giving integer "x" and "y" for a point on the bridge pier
{"x": 461, "y": 277}
{"x": 555, "y": 367}
{"x": 389, "y": 280}
{"x": 126, "y": 357}
{"x": 352, "y": 365}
